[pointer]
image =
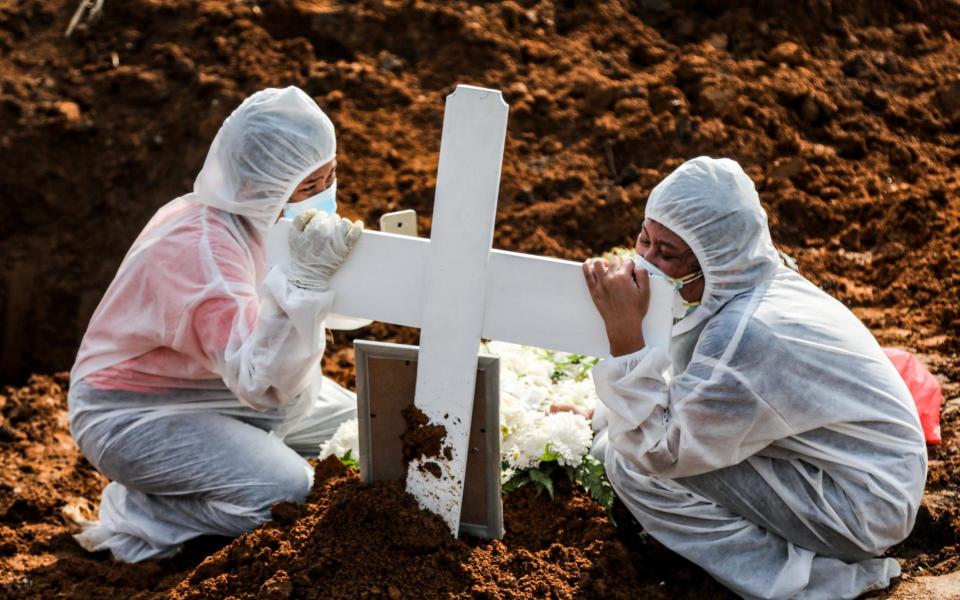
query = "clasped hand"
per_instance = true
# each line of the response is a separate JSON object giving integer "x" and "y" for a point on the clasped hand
{"x": 319, "y": 244}
{"x": 621, "y": 293}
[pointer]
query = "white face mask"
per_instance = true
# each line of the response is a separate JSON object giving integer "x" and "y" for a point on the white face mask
{"x": 681, "y": 307}
{"x": 325, "y": 201}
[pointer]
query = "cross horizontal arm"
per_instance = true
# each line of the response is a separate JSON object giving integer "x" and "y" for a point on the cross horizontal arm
{"x": 531, "y": 300}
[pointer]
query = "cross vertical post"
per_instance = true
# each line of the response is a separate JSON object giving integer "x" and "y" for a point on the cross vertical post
{"x": 464, "y": 213}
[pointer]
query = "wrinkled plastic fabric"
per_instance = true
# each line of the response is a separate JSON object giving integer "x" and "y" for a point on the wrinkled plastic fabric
{"x": 200, "y": 465}
{"x": 195, "y": 323}
{"x": 319, "y": 243}
{"x": 925, "y": 389}
{"x": 192, "y": 305}
{"x": 775, "y": 421}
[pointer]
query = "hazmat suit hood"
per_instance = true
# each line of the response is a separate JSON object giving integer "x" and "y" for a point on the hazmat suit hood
{"x": 263, "y": 150}
{"x": 713, "y": 206}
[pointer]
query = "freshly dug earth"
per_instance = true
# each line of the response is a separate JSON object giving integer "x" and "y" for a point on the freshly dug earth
{"x": 846, "y": 114}
{"x": 351, "y": 540}
{"x": 354, "y": 541}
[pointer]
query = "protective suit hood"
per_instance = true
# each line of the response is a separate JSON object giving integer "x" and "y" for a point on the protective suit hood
{"x": 713, "y": 206}
{"x": 263, "y": 150}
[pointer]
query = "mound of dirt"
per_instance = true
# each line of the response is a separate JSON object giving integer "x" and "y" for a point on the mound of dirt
{"x": 845, "y": 113}
{"x": 355, "y": 540}
{"x": 351, "y": 540}
{"x": 372, "y": 541}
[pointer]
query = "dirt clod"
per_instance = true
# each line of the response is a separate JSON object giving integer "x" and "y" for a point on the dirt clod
{"x": 421, "y": 438}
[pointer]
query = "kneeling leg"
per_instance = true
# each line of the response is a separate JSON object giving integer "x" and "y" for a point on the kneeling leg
{"x": 179, "y": 476}
{"x": 747, "y": 558}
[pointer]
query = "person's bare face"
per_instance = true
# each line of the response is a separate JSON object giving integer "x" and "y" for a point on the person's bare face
{"x": 667, "y": 251}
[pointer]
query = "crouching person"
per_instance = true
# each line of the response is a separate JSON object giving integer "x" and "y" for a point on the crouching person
{"x": 198, "y": 383}
{"x": 775, "y": 445}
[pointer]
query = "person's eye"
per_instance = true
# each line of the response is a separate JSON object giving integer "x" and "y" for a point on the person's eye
{"x": 666, "y": 257}
{"x": 644, "y": 242}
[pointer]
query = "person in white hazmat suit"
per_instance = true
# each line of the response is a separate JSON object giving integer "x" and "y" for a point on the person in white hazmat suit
{"x": 775, "y": 445}
{"x": 198, "y": 379}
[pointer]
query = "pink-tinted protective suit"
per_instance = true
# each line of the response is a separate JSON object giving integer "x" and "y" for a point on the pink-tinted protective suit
{"x": 195, "y": 324}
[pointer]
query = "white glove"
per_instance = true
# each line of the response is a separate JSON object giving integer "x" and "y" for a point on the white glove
{"x": 319, "y": 243}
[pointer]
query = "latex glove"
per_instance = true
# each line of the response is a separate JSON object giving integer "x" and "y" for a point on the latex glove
{"x": 319, "y": 243}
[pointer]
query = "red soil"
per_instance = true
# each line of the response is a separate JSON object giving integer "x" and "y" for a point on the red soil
{"x": 845, "y": 113}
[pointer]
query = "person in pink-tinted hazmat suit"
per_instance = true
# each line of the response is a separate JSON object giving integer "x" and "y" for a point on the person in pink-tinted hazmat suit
{"x": 197, "y": 386}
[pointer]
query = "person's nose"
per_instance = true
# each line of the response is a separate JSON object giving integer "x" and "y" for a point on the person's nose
{"x": 652, "y": 256}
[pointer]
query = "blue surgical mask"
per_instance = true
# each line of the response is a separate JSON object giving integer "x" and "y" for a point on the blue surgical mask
{"x": 325, "y": 201}
{"x": 681, "y": 307}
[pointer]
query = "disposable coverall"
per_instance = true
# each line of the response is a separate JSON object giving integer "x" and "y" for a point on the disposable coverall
{"x": 198, "y": 378}
{"x": 775, "y": 445}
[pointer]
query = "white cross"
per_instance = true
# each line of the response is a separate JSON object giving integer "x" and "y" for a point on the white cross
{"x": 457, "y": 290}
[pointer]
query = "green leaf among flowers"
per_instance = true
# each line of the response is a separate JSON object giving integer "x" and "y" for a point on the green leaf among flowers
{"x": 589, "y": 474}
{"x": 516, "y": 482}
{"x": 349, "y": 461}
{"x": 543, "y": 481}
{"x": 593, "y": 477}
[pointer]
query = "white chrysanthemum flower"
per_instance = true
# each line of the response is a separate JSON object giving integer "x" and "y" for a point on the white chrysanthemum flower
{"x": 579, "y": 393}
{"x": 527, "y": 449}
{"x": 514, "y": 416}
{"x": 511, "y": 385}
{"x": 345, "y": 439}
{"x": 529, "y": 434}
{"x": 535, "y": 397}
{"x": 523, "y": 363}
{"x": 565, "y": 437}
{"x": 569, "y": 437}
{"x": 516, "y": 421}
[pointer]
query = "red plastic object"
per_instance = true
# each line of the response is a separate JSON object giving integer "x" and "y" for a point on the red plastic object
{"x": 925, "y": 390}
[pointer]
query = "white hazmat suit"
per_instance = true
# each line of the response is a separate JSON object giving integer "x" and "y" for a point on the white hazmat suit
{"x": 198, "y": 378}
{"x": 784, "y": 453}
